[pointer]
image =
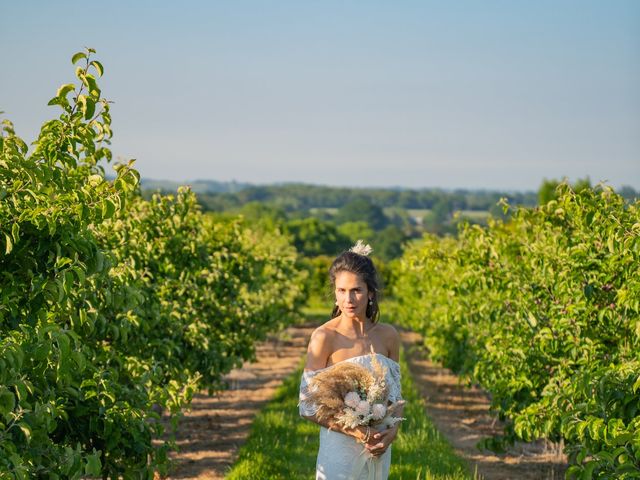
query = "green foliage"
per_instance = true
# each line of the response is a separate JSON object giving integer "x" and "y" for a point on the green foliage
{"x": 549, "y": 189}
{"x": 313, "y": 237}
{"x": 355, "y": 231}
{"x": 361, "y": 210}
{"x": 544, "y": 313}
{"x": 388, "y": 242}
{"x": 111, "y": 305}
{"x": 268, "y": 216}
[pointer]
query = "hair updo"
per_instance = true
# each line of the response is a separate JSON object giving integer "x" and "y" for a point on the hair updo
{"x": 362, "y": 266}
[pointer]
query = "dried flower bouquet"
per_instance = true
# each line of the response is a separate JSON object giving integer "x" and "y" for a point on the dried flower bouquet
{"x": 349, "y": 394}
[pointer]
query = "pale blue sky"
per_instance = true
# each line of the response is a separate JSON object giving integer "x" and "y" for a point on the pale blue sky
{"x": 471, "y": 94}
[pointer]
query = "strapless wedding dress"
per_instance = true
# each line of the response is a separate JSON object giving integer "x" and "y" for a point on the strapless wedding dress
{"x": 339, "y": 455}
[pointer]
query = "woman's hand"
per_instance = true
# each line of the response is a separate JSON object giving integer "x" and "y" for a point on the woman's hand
{"x": 380, "y": 440}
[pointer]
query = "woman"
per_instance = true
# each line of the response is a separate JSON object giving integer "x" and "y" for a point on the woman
{"x": 353, "y": 335}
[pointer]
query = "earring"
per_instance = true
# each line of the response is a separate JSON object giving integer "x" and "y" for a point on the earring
{"x": 370, "y": 301}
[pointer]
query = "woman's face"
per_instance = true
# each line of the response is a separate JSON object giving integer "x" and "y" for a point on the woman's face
{"x": 352, "y": 295}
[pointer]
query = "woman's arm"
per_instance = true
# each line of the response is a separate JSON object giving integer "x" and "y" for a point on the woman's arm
{"x": 318, "y": 352}
{"x": 359, "y": 433}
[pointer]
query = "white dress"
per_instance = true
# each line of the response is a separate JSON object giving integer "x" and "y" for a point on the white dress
{"x": 341, "y": 456}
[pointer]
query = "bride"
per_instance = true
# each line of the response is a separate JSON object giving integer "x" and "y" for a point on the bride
{"x": 353, "y": 335}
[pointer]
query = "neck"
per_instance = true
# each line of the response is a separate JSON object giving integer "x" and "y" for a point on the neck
{"x": 359, "y": 325}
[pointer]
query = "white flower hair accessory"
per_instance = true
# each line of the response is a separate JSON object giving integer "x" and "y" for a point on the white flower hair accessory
{"x": 361, "y": 248}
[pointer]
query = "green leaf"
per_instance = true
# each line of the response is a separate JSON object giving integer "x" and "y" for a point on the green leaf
{"x": 108, "y": 208}
{"x": 82, "y": 101}
{"x": 65, "y": 89}
{"x": 77, "y": 57}
{"x": 99, "y": 261}
{"x": 605, "y": 455}
{"x": 92, "y": 85}
{"x": 594, "y": 428}
{"x": 79, "y": 359}
{"x": 7, "y": 401}
{"x": 62, "y": 262}
{"x": 67, "y": 282}
{"x": 98, "y": 66}
{"x": 9, "y": 246}
{"x": 79, "y": 273}
{"x": 90, "y": 108}
{"x": 26, "y": 430}
{"x": 87, "y": 106}
{"x": 56, "y": 101}
{"x": 63, "y": 344}
{"x": 93, "y": 466}
{"x": 15, "y": 232}
{"x": 587, "y": 474}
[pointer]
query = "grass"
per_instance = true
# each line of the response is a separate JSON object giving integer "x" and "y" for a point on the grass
{"x": 282, "y": 445}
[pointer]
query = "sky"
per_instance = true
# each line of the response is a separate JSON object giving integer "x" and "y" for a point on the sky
{"x": 482, "y": 94}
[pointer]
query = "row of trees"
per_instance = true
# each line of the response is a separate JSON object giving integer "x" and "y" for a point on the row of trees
{"x": 544, "y": 313}
{"x": 301, "y": 197}
{"x": 113, "y": 307}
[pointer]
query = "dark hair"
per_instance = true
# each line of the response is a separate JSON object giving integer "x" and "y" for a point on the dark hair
{"x": 362, "y": 266}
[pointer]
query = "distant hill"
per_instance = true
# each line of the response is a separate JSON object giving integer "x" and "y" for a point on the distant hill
{"x": 303, "y": 197}
{"x": 198, "y": 186}
{"x": 291, "y": 196}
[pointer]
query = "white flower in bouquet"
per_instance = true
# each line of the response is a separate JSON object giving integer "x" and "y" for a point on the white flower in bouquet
{"x": 376, "y": 391}
{"x": 352, "y": 399}
{"x": 378, "y": 411}
{"x": 350, "y": 419}
{"x": 363, "y": 408}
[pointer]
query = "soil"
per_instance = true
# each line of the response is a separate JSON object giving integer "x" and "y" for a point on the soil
{"x": 211, "y": 433}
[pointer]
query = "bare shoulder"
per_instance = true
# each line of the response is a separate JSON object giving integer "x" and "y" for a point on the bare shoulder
{"x": 320, "y": 346}
{"x": 321, "y": 335}
{"x": 325, "y": 332}
{"x": 388, "y": 331}
{"x": 391, "y": 339}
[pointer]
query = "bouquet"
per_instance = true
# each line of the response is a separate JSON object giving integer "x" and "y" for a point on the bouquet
{"x": 349, "y": 394}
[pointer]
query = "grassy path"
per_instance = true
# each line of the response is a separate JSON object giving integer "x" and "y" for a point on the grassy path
{"x": 211, "y": 432}
{"x": 260, "y": 409}
{"x": 281, "y": 445}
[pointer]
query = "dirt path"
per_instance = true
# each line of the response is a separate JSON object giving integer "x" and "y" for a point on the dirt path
{"x": 461, "y": 414}
{"x": 211, "y": 433}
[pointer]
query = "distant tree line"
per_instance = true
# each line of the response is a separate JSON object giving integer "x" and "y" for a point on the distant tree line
{"x": 324, "y": 220}
{"x": 301, "y": 197}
